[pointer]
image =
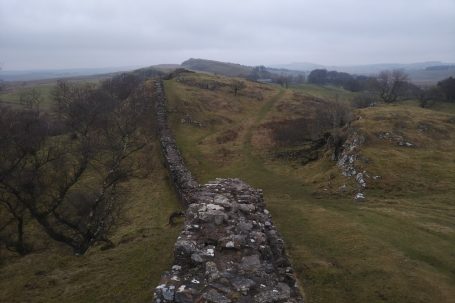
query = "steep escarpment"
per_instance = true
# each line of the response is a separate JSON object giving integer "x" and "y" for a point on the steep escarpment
{"x": 229, "y": 249}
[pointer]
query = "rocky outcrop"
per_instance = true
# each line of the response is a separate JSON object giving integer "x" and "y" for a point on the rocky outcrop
{"x": 398, "y": 139}
{"x": 229, "y": 249}
{"x": 347, "y": 163}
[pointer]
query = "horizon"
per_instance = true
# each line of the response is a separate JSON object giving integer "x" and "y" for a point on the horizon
{"x": 132, "y": 67}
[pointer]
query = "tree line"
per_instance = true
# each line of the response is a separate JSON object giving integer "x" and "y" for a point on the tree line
{"x": 64, "y": 170}
{"x": 389, "y": 86}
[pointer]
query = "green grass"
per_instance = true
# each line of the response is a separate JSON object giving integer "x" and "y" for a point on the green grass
{"x": 398, "y": 246}
{"x": 327, "y": 92}
{"x": 129, "y": 272}
{"x": 10, "y": 95}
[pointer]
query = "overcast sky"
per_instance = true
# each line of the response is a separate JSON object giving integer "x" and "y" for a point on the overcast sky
{"x": 44, "y": 34}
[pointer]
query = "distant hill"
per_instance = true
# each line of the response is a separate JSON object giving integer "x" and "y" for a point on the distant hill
{"x": 236, "y": 70}
{"x": 431, "y": 76}
{"x": 421, "y": 72}
{"x": 361, "y": 69}
{"x": 301, "y": 66}
{"x": 166, "y": 67}
{"x": 29, "y": 75}
{"x": 217, "y": 67}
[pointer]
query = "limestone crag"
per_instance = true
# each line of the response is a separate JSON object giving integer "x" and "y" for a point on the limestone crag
{"x": 347, "y": 163}
{"x": 229, "y": 249}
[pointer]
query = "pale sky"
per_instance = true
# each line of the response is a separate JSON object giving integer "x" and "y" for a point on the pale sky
{"x": 50, "y": 34}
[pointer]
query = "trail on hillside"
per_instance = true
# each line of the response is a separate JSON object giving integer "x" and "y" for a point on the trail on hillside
{"x": 265, "y": 109}
{"x": 229, "y": 249}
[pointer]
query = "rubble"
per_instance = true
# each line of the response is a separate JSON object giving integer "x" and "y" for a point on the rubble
{"x": 347, "y": 163}
{"x": 398, "y": 139}
{"x": 229, "y": 249}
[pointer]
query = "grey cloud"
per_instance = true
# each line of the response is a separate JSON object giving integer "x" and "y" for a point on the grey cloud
{"x": 87, "y": 33}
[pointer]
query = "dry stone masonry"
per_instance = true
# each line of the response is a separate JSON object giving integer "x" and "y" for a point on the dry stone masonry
{"x": 229, "y": 249}
{"x": 347, "y": 162}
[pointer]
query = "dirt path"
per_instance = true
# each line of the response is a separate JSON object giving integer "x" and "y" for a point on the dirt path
{"x": 263, "y": 111}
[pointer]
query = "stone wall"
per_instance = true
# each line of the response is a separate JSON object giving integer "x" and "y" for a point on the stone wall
{"x": 229, "y": 249}
{"x": 180, "y": 176}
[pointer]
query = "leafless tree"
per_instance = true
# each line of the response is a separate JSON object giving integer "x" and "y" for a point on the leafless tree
{"x": 21, "y": 136}
{"x": 428, "y": 96}
{"x": 390, "y": 83}
{"x": 71, "y": 183}
{"x": 31, "y": 98}
{"x": 236, "y": 86}
{"x": 284, "y": 80}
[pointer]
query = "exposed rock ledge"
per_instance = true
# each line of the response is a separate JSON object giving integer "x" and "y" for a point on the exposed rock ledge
{"x": 229, "y": 249}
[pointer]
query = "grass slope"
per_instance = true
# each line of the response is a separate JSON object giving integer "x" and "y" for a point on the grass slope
{"x": 129, "y": 272}
{"x": 217, "y": 67}
{"x": 398, "y": 246}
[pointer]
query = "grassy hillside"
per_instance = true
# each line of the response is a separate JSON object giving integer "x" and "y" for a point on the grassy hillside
{"x": 11, "y": 92}
{"x": 217, "y": 67}
{"x": 129, "y": 272}
{"x": 397, "y": 246}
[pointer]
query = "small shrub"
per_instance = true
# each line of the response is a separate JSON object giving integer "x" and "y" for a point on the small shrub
{"x": 364, "y": 100}
{"x": 227, "y": 136}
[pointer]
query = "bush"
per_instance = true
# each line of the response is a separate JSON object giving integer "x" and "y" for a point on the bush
{"x": 447, "y": 87}
{"x": 364, "y": 100}
{"x": 429, "y": 96}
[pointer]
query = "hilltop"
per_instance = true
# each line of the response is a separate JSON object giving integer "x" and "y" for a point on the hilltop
{"x": 217, "y": 67}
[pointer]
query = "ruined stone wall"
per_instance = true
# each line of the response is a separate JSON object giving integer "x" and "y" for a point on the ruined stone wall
{"x": 180, "y": 176}
{"x": 229, "y": 249}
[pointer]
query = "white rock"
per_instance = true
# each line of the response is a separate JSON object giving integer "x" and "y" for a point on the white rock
{"x": 181, "y": 288}
{"x": 176, "y": 267}
{"x": 359, "y": 196}
{"x": 214, "y": 207}
{"x": 230, "y": 244}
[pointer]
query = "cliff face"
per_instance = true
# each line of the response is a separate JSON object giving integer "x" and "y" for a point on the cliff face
{"x": 229, "y": 249}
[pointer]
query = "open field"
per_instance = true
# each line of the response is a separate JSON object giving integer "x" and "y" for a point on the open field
{"x": 397, "y": 246}
{"x": 10, "y": 95}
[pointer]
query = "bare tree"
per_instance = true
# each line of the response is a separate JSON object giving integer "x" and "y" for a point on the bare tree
{"x": 284, "y": 80}
{"x": 71, "y": 183}
{"x": 21, "y": 136}
{"x": 31, "y": 98}
{"x": 236, "y": 86}
{"x": 364, "y": 100}
{"x": 428, "y": 96}
{"x": 390, "y": 83}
